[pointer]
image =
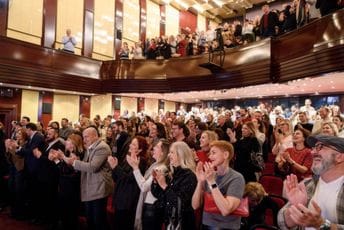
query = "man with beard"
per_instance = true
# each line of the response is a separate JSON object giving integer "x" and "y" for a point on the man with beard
{"x": 318, "y": 202}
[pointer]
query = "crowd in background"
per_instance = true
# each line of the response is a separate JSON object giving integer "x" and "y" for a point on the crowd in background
{"x": 273, "y": 22}
{"x": 157, "y": 164}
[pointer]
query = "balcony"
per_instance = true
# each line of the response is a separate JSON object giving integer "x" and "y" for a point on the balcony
{"x": 308, "y": 51}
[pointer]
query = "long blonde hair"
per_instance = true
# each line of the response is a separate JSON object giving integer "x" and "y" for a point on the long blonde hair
{"x": 185, "y": 155}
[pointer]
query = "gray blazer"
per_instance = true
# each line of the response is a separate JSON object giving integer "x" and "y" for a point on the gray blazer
{"x": 96, "y": 180}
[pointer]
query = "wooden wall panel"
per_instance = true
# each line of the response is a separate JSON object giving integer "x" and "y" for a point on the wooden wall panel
{"x": 10, "y": 106}
{"x": 45, "y": 114}
{"x": 3, "y": 16}
{"x": 163, "y": 20}
{"x": 118, "y": 26}
{"x": 187, "y": 19}
{"x": 85, "y": 105}
{"x": 49, "y": 23}
{"x": 143, "y": 20}
{"x": 87, "y": 43}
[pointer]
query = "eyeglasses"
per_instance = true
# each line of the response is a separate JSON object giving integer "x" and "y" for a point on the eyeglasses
{"x": 319, "y": 147}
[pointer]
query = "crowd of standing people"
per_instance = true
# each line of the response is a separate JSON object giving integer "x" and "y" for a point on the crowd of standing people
{"x": 165, "y": 171}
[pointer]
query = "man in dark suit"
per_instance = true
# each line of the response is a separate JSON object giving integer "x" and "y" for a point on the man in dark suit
{"x": 96, "y": 178}
{"x": 47, "y": 178}
{"x": 31, "y": 165}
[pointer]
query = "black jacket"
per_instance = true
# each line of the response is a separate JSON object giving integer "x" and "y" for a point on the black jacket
{"x": 182, "y": 186}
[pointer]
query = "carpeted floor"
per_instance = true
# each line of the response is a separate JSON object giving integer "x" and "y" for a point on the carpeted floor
{"x": 8, "y": 223}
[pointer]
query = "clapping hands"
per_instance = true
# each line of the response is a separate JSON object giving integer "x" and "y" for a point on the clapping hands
{"x": 113, "y": 161}
{"x": 296, "y": 193}
{"x": 133, "y": 160}
{"x": 205, "y": 172}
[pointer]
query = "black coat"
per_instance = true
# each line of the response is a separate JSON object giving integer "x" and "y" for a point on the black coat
{"x": 31, "y": 162}
{"x": 182, "y": 186}
{"x": 327, "y": 6}
{"x": 243, "y": 149}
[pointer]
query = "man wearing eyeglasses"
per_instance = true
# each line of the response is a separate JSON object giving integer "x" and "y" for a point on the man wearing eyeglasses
{"x": 318, "y": 202}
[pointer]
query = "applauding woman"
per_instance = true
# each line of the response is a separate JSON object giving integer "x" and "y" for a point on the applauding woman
{"x": 225, "y": 186}
{"x": 149, "y": 210}
{"x": 177, "y": 192}
{"x": 127, "y": 192}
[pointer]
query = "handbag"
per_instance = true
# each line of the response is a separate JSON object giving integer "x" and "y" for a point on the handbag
{"x": 210, "y": 206}
{"x": 176, "y": 217}
{"x": 257, "y": 161}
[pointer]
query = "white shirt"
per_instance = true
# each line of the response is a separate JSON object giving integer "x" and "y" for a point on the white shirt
{"x": 68, "y": 43}
{"x": 326, "y": 197}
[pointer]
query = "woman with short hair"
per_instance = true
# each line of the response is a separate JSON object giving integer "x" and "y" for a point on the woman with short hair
{"x": 217, "y": 181}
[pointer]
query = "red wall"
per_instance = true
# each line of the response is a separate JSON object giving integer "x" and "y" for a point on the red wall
{"x": 187, "y": 19}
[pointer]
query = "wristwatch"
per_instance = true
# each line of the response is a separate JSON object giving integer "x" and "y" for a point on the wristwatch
{"x": 213, "y": 186}
{"x": 326, "y": 225}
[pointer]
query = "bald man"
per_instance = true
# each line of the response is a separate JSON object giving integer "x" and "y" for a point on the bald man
{"x": 96, "y": 181}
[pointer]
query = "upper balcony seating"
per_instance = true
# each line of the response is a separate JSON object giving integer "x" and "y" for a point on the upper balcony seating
{"x": 311, "y": 50}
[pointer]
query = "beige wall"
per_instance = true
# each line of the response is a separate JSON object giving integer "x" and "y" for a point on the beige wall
{"x": 66, "y": 106}
{"x": 151, "y": 106}
{"x": 153, "y": 20}
{"x": 104, "y": 23}
{"x": 201, "y": 23}
{"x": 128, "y": 103}
{"x": 25, "y": 20}
{"x": 213, "y": 24}
{"x": 29, "y": 104}
{"x": 172, "y": 24}
{"x": 131, "y": 19}
{"x": 170, "y": 106}
{"x": 102, "y": 105}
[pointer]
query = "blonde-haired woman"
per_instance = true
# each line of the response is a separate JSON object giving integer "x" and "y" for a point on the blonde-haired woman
{"x": 207, "y": 137}
{"x": 283, "y": 139}
{"x": 217, "y": 181}
{"x": 329, "y": 128}
{"x": 177, "y": 191}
